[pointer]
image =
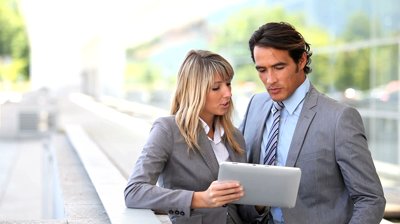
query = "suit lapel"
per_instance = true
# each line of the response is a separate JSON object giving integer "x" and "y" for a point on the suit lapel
{"x": 306, "y": 116}
{"x": 208, "y": 154}
{"x": 232, "y": 154}
{"x": 260, "y": 130}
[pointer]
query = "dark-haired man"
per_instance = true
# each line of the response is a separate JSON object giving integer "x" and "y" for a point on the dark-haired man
{"x": 324, "y": 138}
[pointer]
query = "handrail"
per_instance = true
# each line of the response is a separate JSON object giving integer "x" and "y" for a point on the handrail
{"x": 107, "y": 180}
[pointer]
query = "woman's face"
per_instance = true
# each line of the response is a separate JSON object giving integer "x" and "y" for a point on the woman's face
{"x": 218, "y": 100}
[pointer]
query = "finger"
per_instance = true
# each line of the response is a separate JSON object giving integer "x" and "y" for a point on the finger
{"x": 226, "y": 199}
{"x": 214, "y": 194}
{"x": 223, "y": 185}
{"x": 226, "y": 196}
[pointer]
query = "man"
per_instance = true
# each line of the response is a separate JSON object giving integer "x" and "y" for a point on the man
{"x": 322, "y": 137}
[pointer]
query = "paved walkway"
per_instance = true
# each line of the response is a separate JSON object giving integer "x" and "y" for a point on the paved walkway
{"x": 21, "y": 179}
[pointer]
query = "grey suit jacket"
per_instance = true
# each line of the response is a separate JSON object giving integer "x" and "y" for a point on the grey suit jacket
{"x": 180, "y": 172}
{"x": 339, "y": 183}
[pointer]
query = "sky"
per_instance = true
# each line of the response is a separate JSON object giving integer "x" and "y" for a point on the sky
{"x": 133, "y": 21}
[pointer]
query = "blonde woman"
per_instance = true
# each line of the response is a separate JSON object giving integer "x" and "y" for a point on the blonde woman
{"x": 184, "y": 150}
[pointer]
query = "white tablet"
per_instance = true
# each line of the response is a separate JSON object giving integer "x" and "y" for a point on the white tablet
{"x": 275, "y": 186}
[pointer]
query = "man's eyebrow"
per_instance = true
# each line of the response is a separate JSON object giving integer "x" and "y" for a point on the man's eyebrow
{"x": 279, "y": 63}
{"x": 258, "y": 66}
{"x": 274, "y": 65}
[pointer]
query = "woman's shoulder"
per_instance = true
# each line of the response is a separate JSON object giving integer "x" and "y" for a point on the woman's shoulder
{"x": 165, "y": 122}
{"x": 165, "y": 119}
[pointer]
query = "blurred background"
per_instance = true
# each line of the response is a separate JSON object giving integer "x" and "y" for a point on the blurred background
{"x": 125, "y": 55}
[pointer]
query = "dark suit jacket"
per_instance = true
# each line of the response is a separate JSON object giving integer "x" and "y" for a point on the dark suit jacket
{"x": 180, "y": 172}
{"x": 339, "y": 183}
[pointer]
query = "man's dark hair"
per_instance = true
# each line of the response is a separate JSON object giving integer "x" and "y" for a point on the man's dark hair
{"x": 282, "y": 36}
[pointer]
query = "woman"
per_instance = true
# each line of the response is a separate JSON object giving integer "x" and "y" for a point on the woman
{"x": 184, "y": 150}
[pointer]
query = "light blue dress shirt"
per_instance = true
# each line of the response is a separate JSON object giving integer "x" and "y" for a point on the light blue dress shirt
{"x": 289, "y": 117}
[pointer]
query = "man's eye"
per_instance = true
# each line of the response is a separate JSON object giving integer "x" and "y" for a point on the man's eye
{"x": 279, "y": 67}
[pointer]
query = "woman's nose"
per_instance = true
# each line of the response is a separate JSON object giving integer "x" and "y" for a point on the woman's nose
{"x": 228, "y": 92}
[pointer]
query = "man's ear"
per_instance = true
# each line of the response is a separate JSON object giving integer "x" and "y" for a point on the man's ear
{"x": 303, "y": 61}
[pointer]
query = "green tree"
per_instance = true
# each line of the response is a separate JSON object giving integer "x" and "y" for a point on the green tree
{"x": 346, "y": 68}
{"x": 356, "y": 67}
{"x": 141, "y": 75}
{"x": 14, "y": 46}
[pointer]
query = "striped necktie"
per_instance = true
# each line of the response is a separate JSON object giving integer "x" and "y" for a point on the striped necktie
{"x": 272, "y": 144}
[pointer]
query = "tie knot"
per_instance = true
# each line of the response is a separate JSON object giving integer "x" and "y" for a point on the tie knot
{"x": 278, "y": 105}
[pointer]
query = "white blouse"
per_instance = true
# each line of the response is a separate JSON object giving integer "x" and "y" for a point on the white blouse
{"x": 220, "y": 150}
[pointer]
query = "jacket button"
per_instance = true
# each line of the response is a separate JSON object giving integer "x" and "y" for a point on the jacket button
{"x": 182, "y": 213}
{"x": 171, "y": 212}
{"x": 176, "y": 212}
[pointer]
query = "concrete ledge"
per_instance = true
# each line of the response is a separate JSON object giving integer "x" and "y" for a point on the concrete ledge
{"x": 388, "y": 170}
{"x": 384, "y": 221}
{"x": 390, "y": 175}
{"x": 108, "y": 181}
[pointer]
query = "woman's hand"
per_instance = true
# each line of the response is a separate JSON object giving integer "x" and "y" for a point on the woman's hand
{"x": 219, "y": 193}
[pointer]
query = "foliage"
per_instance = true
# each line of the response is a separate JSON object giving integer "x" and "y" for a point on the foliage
{"x": 14, "y": 47}
{"x": 340, "y": 61}
{"x": 353, "y": 65}
{"x": 148, "y": 75}
{"x": 357, "y": 28}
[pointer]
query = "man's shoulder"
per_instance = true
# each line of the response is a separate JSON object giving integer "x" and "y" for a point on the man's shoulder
{"x": 326, "y": 102}
{"x": 260, "y": 97}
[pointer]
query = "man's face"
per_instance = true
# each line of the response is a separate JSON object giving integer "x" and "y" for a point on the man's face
{"x": 279, "y": 73}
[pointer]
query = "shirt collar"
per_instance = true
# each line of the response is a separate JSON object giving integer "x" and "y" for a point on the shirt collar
{"x": 297, "y": 97}
{"x": 218, "y": 132}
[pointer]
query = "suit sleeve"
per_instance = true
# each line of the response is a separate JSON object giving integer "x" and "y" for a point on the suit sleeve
{"x": 358, "y": 170}
{"x": 141, "y": 190}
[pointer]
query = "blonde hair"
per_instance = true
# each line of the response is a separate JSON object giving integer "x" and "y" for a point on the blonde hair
{"x": 195, "y": 80}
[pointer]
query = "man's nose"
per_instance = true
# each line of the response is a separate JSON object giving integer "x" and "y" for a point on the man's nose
{"x": 271, "y": 78}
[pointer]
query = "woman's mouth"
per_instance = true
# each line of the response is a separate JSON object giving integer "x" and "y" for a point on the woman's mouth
{"x": 226, "y": 104}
